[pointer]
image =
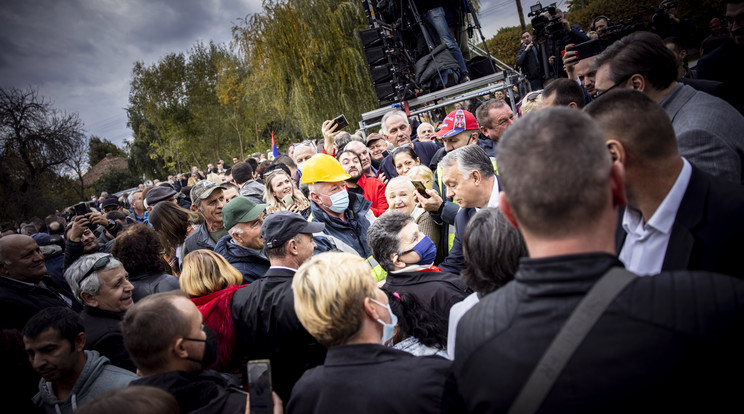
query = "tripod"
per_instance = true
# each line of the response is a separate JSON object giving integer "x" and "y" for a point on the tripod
{"x": 470, "y": 9}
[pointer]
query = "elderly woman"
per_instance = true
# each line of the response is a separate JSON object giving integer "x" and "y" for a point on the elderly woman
{"x": 281, "y": 193}
{"x": 139, "y": 250}
{"x": 407, "y": 255}
{"x": 338, "y": 302}
{"x": 400, "y": 193}
{"x": 211, "y": 282}
{"x": 101, "y": 284}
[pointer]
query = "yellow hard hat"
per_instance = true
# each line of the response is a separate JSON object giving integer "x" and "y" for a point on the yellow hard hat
{"x": 322, "y": 168}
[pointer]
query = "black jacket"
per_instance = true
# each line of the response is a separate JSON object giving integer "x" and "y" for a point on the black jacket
{"x": 19, "y": 301}
{"x": 370, "y": 378}
{"x": 103, "y": 334}
{"x": 198, "y": 393}
{"x": 148, "y": 283}
{"x": 438, "y": 290}
{"x": 648, "y": 352}
{"x": 266, "y": 327}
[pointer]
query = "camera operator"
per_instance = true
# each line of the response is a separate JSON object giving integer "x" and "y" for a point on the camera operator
{"x": 557, "y": 41}
{"x": 665, "y": 22}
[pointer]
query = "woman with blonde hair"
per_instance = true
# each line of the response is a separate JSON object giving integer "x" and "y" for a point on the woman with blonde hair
{"x": 211, "y": 282}
{"x": 281, "y": 193}
{"x": 173, "y": 224}
{"x": 339, "y": 303}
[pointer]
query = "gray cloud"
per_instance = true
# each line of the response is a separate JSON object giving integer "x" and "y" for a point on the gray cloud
{"x": 80, "y": 53}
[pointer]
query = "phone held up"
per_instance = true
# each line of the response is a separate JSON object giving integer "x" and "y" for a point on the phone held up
{"x": 340, "y": 122}
{"x": 81, "y": 209}
{"x": 421, "y": 188}
{"x": 259, "y": 386}
{"x": 287, "y": 200}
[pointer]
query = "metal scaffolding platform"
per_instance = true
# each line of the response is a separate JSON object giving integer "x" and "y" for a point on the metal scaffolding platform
{"x": 441, "y": 98}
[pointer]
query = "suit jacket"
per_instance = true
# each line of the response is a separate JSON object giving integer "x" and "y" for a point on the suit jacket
{"x": 456, "y": 261}
{"x": 708, "y": 231}
{"x": 529, "y": 63}
{"x": 709, "y": 132}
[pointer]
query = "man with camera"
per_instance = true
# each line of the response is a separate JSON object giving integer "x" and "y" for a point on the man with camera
{"x": 528, "y": 59}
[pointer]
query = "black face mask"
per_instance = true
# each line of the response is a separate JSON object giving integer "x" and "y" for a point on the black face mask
{"x": 210, "y": 348}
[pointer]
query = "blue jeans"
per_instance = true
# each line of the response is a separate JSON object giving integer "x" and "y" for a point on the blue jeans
{"x": 435, "y": 17}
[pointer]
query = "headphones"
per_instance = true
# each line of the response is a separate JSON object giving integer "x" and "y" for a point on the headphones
{"x": 594, "y": 22}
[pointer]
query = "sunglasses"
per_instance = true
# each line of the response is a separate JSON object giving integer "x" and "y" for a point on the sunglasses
{"x": 618, "y": 83}
{"x": 98, "y": 265}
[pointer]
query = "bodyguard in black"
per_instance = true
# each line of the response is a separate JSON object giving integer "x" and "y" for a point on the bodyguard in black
{"x": 266, "y": 325}
{"x": 666, "y": 343}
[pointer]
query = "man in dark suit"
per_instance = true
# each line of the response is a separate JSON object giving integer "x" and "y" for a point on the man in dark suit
{"x": 25, "y": 287}
{"x": 678, "y": 217}
{"x": 479, "y": 188}
{"x": 654, "y": 342}
{"x": 528, "y": 59}
{"x": 266, "y": 324}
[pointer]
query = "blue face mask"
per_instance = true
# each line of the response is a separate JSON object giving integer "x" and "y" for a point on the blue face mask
{"x": 426, "y": 250}
{"x": 339, "y": 201}
{"x": 388, "y": 329}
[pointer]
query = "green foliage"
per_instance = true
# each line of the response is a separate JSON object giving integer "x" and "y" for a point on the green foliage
{"x": 506, "y": 43}
{"x": 98, "y": 148}
{"x": 115, "y": 180}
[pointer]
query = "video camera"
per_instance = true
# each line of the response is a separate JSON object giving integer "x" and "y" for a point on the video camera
{"x": 618, "y": 30}
{"x": 544, "y": 25}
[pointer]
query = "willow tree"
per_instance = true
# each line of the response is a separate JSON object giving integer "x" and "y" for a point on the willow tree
{"x": 306, "y": 62}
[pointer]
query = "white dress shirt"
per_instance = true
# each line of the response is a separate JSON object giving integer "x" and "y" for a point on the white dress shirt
{"x": 646, "y": 243}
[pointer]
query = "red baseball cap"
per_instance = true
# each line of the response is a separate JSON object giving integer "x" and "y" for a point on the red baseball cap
{"x": 457, "y": 121}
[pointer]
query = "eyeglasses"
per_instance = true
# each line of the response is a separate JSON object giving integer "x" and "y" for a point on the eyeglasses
{"x": 98, "y": 265}
{"x": 618, "y": 83}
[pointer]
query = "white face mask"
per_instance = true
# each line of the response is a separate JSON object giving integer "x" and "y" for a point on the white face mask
{"x": 388, "y": 329}
{"x": 300, "y": 165}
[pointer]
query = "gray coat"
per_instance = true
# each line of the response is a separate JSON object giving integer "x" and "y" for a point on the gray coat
{"x": 709, "y": 132}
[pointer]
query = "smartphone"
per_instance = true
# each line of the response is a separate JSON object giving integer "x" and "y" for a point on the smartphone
{"x": 587, "y": 49}
{"x": 259, "y": 386}
{"x": 287, "y": 200}
{"x": 81, "y": 209}
{"x": 340, "y": 122}
{"x": 420, "y": 187}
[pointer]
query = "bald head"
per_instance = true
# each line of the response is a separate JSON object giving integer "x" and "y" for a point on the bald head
{"x": 20, "y": 259}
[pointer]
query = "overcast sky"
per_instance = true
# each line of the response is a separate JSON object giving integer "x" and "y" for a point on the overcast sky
{"x": 80, "y": 54}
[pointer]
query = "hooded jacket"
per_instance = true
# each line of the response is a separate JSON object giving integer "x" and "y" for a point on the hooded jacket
{"x": 97, "y": 377}
{"x": 353, "y": 231}
{"x": 251, "y": 264}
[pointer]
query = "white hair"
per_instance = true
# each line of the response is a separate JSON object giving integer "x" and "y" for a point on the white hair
{"x": 394, "y": 112}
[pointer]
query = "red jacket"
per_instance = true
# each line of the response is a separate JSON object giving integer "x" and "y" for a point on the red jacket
{"x": 374, "y": 191}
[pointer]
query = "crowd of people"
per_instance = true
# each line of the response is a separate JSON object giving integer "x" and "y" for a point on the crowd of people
{"x": 579, "y": 257}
